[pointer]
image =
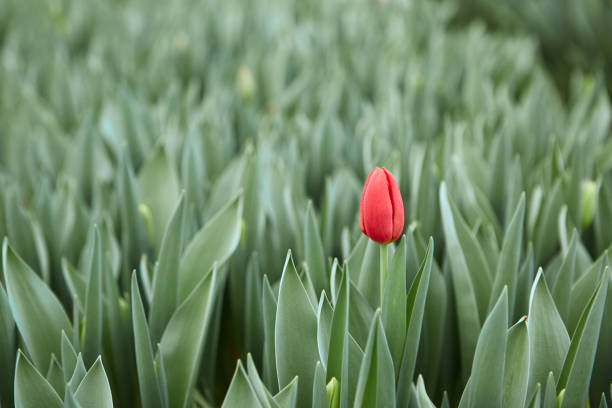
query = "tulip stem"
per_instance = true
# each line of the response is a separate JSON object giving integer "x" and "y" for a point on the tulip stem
{"x": 383, "y": 269}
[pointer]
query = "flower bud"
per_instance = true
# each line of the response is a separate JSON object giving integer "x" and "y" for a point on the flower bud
{"x": 588, "y": 199}
{"x": 381, "y": 212}
{"x": 245, "y": 83}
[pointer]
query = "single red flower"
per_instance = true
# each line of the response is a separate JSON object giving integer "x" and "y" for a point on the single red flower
{"x": 381, "y": 212}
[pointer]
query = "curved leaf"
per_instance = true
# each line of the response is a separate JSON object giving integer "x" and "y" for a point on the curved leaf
{"x": 32, "y": 390}
{"x": 38, "y": 314}
{"x": 215, "y": 242}
{"x": 295, "y": 336}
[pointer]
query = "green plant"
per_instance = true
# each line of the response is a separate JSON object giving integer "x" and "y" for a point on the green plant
{"x": 179, "y": 192}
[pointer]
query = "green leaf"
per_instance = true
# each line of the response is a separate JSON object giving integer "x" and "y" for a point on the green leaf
{"x": 548, "y": 338}
{"x": 240, "y": 392}
{"x": 77, "y": 283}
{"x": 424, "y": 400}
{"x": 578, "y": 365}
{"x": 508, "y": 264}
{"x": 133, "y": 233}
{"x": 516, "y": 369}
{"x": 38, "y": 314}
{"x": 269, "y": 317}
{"x": 563, "y": 283}
{"x": 415, "y": 304}
{"x": 313, "y": 251}
{"x": 78, "y": 374}
{"x": 147, "y": 378}
{"x": 319, "y": 389}
{"x": 295, "y": 329}
{"x": 368, "y": 279}
{"x": 31, "y": 388}
{"x": 215, "y": 242}
{"x": 287, "y": 397}
{"x": 92, "y": 332}
{"x": 55, "y": 376}
{"x": 487, "y": 378}
{"x": 550, "y": 394}
{"x": 394, "y": 305}
{"x": 69, "y": 400}
{"x": 325, "y": 314}
{"x": 69, "y": 358}
{"x": 182, "y": 341}
{"x": 165, "y": 276}
{"x": 263, "y": 395}
{"x": 536, "y": 400}
{"x": 94, "y": 390}
{"x": 475, "y": 259}
{"x": 159, "y": 189}
{"x": 7, "y": 350}
{"x": 376, "y": 384}
{"x": 339, "y": 328}
{"x": 467, "y": 307}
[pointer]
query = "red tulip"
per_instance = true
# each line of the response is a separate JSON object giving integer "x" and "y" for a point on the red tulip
{"x": 381, "y": 212}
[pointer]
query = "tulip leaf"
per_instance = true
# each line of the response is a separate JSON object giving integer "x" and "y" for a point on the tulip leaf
{"x": 240, "y": 392}
{"x": 467, "y": 306}
{"x": 319, "y": 390}
{"x": 424, "y": 401}
{"x": 269, "y": 322}
{"x": 565, "y": 277}
{"x": 295, "y": 329}
{"x": 376, "y": 384}
{"x": 487, "y": 378}
{"x": 477, "y": 266}
{"x": 32, "y": 390}
{"x": 78, "y": 374}
{"x": 287, "y": 397}
{"x": 339, "y": 328}
{"x": 159, "y": 189}
{"x": 55, "y": 376}
{"x": 550, "y": 392}
{"x": 94, "y": 390}
{"x": 69, "y": 400}
{"x": 76, "y": 283}
{"x": 92, "y": 332}
{"x": 147, "y": 378}
{"x": 516, "y": 369}
{"x": 7, "y": 350}
{"x": 415, "y": 303}
{"x": 263, "y": 395}
{"x": 578, "y": 365}
{"x": 165, "y": 276}
{"x": 313, "y": 251}
{"x": 325, "y": 314}
{"x": 38, "y": 314}
{"x": 508, "y": 263}
{"x": 394, "y": 305}
{"x": 215, "y": 242}
{"x": 182, "y": 341}
{"x": 548, "y": 338}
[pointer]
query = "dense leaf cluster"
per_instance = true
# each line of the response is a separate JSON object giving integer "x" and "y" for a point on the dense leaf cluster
{"x": 179, "y": 187}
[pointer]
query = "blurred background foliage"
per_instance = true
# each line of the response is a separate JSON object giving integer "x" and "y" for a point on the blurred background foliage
{"x": 110, "y": 110}
{"x": 571, "y": 34}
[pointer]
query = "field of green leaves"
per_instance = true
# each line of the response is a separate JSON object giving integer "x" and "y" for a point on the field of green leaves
{"x": 180, "y": 186}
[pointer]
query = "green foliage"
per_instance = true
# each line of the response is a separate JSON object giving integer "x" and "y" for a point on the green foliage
{"x": 159, "y": 161}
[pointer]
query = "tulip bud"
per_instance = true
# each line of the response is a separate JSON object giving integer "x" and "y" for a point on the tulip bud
{"x": 588, "y": 200}
{"x": 381, "y": 212}
{"x": 245, "y": 83}
{"x": 333, "y": 393}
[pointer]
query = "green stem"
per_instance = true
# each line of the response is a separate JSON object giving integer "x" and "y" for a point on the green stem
{"x": 383, "y": 269}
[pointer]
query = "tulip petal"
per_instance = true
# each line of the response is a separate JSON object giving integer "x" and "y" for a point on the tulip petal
{"x": 362, "y": 202}
{"x": 397, "y": 206}
{"x": 377, "y": 207}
